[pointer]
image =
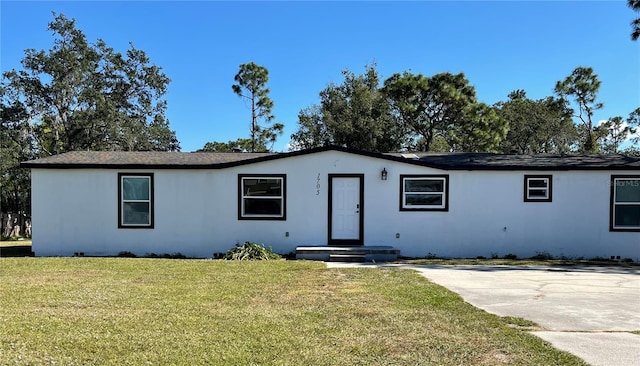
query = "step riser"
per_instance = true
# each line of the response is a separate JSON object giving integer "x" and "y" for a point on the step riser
{"x": 348, "y": 254}
{"x": 346, "y": 258}
{"x": 327, "y": 257}
{"x": 389, "y": 252}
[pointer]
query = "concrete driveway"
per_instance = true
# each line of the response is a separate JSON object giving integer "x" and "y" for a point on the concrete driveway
{"x": 587, "y": 311}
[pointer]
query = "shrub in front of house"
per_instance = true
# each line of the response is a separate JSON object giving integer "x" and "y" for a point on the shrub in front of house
{"x": 250, "y": 251}
{"x": 126, "y": 254}
{"x": 177, "y": 255}
{"x": 542, "y": 256}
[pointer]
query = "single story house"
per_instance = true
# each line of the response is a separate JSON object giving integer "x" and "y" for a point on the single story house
{"x": 422, "y": 204}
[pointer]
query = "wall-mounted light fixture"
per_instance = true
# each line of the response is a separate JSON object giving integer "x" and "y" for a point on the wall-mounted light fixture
{"x": 383, "y": 174}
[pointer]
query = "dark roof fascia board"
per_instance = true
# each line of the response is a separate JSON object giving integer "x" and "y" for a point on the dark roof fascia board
{"x": 533, "y": 168}
{"x": 375, "y": 155}
{"x": 123, "y": 166}
{"x": 220, "y": 166}
{"x": 467, "y": 167}
{"x": 34, "y": 165}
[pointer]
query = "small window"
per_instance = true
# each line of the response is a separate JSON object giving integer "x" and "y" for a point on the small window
{"x": 537, "y": 188}
{"x": 625, "y": 203}
{"x": 261, "y": 197}
{"x": 135, "y": 200}
{"x": 424, "y": 192}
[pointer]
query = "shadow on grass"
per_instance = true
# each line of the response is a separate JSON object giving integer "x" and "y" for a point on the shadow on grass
{"x": 16, "y": 251}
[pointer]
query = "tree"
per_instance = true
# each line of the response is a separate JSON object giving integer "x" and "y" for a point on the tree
{"x": 481, "y": 130}
{"x": 631, "y": 151}
{"x": 583, "y": 86}
{"x": 312, "y": 131}
{"x": 16, "y": 145}
{"x": 80, "y": 96}
{"x": 633, "y": 121}
{"x": 252, "y": 85}
{"x": 238, "y": 145}
{"x": 536, "y": 126}
{"x": 612, "y": 134}
{"x": 88, "y": 97}
{"x": 616, "y": 130}
{"x": 413, "y": 112}
{"x": 136, "y": 88}
{"x": 353, "y": 114}
{"x": 428, "y": 107}
{"x": 635, "y": 24}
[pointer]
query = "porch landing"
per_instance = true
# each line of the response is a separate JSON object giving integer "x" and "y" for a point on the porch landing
{"x": 348, "y": 254}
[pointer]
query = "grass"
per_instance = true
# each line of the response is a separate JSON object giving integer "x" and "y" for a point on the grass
{"x": 520, "y": 323}
{"x": 15, "y": 242}
{"x": 135, "y": 311}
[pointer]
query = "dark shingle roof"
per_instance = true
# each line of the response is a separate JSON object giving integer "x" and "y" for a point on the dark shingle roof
{"x": 444, "y": 161}
{"x": 140, "y": 159}
{"x": 488, "y": 161}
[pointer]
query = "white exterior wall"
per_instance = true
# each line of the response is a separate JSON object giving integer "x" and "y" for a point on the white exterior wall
{"x": 196, "y": 212}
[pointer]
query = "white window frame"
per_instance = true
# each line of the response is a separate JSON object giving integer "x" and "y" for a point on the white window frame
{"x": 548, "y": 189}
{"x": 241, "y": 197}
{"x": 122, "y": 200}
{"x": 614, "y": 204}
{"x": 444, "y": 206}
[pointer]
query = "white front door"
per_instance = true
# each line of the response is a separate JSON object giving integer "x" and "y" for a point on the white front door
{"x": 346, "y": 210}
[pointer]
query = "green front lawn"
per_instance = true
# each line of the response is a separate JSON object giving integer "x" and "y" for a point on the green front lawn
{"x": 136, "y": 311}
{"x": 15, "y": 242}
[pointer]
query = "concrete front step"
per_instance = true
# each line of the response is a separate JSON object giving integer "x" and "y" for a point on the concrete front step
{"x": 348, "y": 254}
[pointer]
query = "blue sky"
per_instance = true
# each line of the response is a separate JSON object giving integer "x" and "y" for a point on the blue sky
{"x": 500, "y": 46}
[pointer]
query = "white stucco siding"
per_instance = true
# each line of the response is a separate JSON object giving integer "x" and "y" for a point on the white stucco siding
{"x": 66, "y": 205}
{"x": 76, "y": 210}
{"x": 186, "y": 209}
{"x": 488, "y": 215}
{"x": 307, "y": 205}
{"x": 196, "y": 212}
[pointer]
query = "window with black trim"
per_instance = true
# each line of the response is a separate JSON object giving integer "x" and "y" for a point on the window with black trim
{"x": 135, "y": 200}
{"x": 538, "y": 188}
{"x": 262, "y": 197}
{"x": 625, "y": 203}
{"x": 424, "y": 192}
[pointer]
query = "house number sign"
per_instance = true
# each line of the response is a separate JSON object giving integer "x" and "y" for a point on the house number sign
{"x": 318, "y": 185}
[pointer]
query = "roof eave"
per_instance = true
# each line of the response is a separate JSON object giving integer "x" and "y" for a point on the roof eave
{"x": 34, "y": 164}
{"x": 536, "y": 168}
